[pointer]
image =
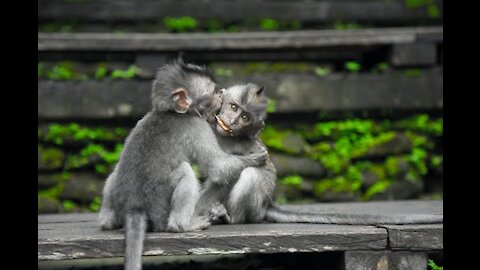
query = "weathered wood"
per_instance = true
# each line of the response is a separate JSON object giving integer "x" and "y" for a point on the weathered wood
{"x": 61, "y": 241}
{"x": 293, "y": 93}
{"x": 415, "y": 237}
{"x": 385, "y": 260}
{"x": 414, "y": 55}
{"x": 318, "y": 11}
{"x": 145, "y": 59}
{"x": 415, "y": 211}
{"x": 71, "y": 236}
{"x": 234, "y": 41}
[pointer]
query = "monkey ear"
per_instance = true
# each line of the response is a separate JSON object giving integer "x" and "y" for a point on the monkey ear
{"x": 260, "y": 90}
{"x": 180, "y": 100}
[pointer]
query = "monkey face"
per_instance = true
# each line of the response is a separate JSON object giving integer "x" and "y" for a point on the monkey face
{"x": 242, "y": 112}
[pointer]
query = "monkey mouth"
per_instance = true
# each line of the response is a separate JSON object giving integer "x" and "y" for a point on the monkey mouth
{"x": 223, "y": 125}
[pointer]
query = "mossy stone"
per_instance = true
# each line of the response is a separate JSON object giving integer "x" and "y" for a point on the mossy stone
{"x": 47, "y": 205}
{"x": 50, "y": 158}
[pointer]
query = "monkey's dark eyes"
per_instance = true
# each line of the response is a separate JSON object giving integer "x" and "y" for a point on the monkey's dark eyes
{"x": 245, "y": 118}
{"x": 234, "y": 107}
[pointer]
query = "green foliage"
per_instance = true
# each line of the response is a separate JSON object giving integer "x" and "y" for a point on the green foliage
{"x": 337, "y": 129}
{"x": 421, "y": 123}
{"x": 213, "y": 25}
{"x": 129, "y": 73}
{"x": 433, "y": 11}
{"x": 377, "y": 188}
{"x": 51, "y": 157}
{"x": 53, "y": 192}
{"x": 292, "y": 180}
{"x": 434, "y": 266}
{"x": 95, "y": 205}
{"x": 58, "y": 133}
{"x": 64, "y": 71}
{"x": 197, "y": 170}
{"x": 413, "y": 72}
{"x": 417, "y": 3}
{"x": 269, "y": 24}
{"x": 271, "y": 106}
{"x": 352, "y": 66}
{"x": 64, "y": 27}
{"x": 436, "y": 161}
{"x": 41, "y": 70}
{"x": 68, "y": 205}
{"x": 101, "y": 71}
{"x": 336, "y": 184}
{"x": 182, "y": 24}
{"x": 276, "y": 139}
{"x": 225, "y": 72}
{"x": 381, "y": 67}
{"x": 267, "y": 67}
{"x": 418, "y": 158}
{"x": 432, "y": 8}
{"x": 338, "y": 155}
{"x": 93, "y": 152}
{"x": 322, "y": 71}
{"x": 340, "y": 25}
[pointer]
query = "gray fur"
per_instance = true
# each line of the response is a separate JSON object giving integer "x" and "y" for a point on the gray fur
{"x": 246, "y": 197}
{"x": 249, "y": 199}
{"x": 153, "y": 183}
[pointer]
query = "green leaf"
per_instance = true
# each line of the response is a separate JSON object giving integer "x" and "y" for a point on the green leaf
{"x": 322, "y": 71}
{"x": 434, "y": 266}
{"x": 269, "y": 24}
{"x": 353, "y": 66}
{"x": 292, "y": 180}
{"x": 271, "y": 106}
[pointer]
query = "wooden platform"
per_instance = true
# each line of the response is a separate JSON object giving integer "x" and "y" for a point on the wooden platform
{"x": 77, "y": 236}
{"x": 235, "y": 41}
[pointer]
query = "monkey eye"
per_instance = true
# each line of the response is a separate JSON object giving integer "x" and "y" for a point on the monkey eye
{"x": 245, "y": 118}
{"x": 234, "y": 107}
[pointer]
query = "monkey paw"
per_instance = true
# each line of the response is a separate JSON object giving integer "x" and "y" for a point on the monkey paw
{"x": 218, "y": 214}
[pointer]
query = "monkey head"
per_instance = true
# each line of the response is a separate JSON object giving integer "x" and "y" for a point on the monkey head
{"x": 186, "y": 88}
{"x": 243, "y": 111}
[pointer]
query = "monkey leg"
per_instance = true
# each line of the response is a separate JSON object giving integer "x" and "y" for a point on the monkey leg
{"x": 107, "y": 217}
{"x": 209, "y": 205}
{"x": 249, "y": 198}
{"x": 183, "y": 201}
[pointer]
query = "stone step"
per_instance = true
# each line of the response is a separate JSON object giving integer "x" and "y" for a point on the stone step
{"x": 112, "y": 99}
{"x": 373, "y": 11}
{"x": 131, "y": 42}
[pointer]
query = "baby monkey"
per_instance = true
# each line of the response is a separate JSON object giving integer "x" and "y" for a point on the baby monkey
{"x": 153, "y": 186}
{"x": 249, "y": 198}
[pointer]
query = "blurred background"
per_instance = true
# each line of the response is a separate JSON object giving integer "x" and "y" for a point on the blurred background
{"x": 355, "y": 88}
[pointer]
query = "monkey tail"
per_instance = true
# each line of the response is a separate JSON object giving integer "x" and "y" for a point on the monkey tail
{"x": 135, "y": 227}
{"x": 277, "y": 215}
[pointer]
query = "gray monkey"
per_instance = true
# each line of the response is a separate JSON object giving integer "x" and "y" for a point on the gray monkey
{"x": 249, "y": 198}
{"x": 153, "y": 186}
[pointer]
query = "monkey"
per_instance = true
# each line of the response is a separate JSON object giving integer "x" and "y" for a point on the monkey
{"x": 249, "y": 199}
{"x": 153, "y": 186}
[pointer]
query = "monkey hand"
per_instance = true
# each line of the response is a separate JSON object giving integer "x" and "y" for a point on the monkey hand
{"x": 259, "y": 158}
{"x": 218, "y": 214}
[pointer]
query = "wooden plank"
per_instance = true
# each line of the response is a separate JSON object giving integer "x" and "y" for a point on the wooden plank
{"x": 111, "y": 99}
{"x": 146, "y": 59}
{"x": 412, "y": 210}
{"x": 384, "y": 260}
{"x": 421, "y": 54}
{"x": 234, "y": 41}
{"x": 316, "y": 11}
{"x": 57, "y": 241}
{"x": 415, "y": 237}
